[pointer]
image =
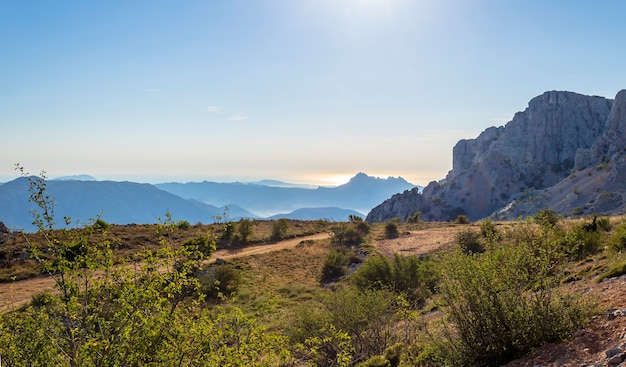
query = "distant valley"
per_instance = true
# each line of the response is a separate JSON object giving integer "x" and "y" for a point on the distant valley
{"x": 82, "y": 198}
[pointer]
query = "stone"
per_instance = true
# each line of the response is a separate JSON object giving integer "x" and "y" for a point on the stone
{"x": 615, "y": 360}
{"x": 530, "y": 164}
{"x": 612, "y": 352}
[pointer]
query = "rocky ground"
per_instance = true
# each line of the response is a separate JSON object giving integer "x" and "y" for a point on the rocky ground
{"x": 601, "y": 343}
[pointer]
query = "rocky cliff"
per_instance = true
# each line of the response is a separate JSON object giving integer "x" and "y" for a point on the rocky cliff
{"x": 564, "y": 152}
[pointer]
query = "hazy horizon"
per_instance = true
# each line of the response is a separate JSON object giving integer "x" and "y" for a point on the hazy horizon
{"x": 316, "y": 181}
{"x": 310, "y": 91}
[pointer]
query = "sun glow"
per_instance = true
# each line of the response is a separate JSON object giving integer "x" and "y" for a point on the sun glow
{"x": 336, "y": 180}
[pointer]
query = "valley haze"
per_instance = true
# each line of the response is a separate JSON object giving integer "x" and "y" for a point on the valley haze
{"x": 83, "y": 198}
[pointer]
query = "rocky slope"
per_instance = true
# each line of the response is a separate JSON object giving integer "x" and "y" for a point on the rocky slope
{"x": 565, "y": 152}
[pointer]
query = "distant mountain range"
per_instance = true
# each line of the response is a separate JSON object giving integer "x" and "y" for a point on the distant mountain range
{"x": 130, "y": 202}
{"x": 361, "y": 194}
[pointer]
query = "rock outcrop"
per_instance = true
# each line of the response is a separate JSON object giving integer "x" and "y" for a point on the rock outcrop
{"x": 563, "y": 152}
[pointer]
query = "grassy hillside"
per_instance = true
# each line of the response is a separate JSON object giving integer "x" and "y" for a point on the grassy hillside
{"x": 387, "y": 294}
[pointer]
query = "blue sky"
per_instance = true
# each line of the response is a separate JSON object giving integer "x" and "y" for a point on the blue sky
{"x": 309, "y": 91}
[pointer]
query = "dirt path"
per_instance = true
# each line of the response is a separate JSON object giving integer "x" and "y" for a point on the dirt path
{"x": 419, "y": 242}
{"x": 261, "y": 249}
{"x": 14, "y": 295}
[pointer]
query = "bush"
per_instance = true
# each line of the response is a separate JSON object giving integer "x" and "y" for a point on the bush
{"x": 409, "y": 275}
{"x": 461, "y": 219}
{"x": 501, "y": 305}
{"x": 546, "y": 218}
{"x": 469, "y": 241}
{"x": 363, "y": 228}
{"x": 347, "y": 235}
{"x": 354, "y": 218}
{"x": 279, "y": 229}
{"x": 335, "y": 266}
{"x": 221, "y": 281}
{"x": 228, "y": 233}
{"x": 617, "y": 239}
{"x": 582, "y": 240}
{"x": 183, "y": 224}
{"x": 201, "y": 246}
{"x": 100, "y": 224}
{"x": 391, "y": 230}
{"x": 377, "y": 361}
{"x": 366, "y": 321}
{"x": 604, "y": 223}
{"x": 615, "y": 271}
{"x": 245, "y": 230}
{"x": 488, "y": 230}
{"x": 415, "y": 218}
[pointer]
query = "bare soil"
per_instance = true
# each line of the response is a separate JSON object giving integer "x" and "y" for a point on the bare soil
{"x": 419, "y": 242}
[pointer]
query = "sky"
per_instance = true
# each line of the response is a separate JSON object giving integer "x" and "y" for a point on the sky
{"x": 303, "y": 91}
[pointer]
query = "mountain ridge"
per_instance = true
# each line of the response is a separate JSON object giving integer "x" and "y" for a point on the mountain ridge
{"x": 529, "y": 164}
{"x": 124, "y": 202}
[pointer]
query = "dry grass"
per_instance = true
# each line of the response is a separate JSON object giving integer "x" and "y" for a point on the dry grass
{"x": 126, "y": 240}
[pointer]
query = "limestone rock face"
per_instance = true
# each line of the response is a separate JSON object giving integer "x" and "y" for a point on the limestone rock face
{"x": 557, "y": 133}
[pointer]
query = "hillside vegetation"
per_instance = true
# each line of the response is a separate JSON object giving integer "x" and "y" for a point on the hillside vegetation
{"x": 482, "y": 295}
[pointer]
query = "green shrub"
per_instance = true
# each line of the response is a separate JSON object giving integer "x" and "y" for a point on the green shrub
{"x": 546, "y": 218}
{"x": 604, "y": 223}
{"x": 335, "y": 266}
{"x": 408, "y": 275}
{"x": 615, "y": 271}
{"x": 245, "y": 230}
{"x": 368, "y": 321}
{"x": 221, "y": 281}
{"x": 501, "y": 305}
{"x": 347, "y": 235}
{"x": 461, "y": 219}
{"x": 363, "y": 228}
{"x": 469, "y": 241}
{"x": 377, "y": 361}
{"x": 201, "y": 246}
{"x": 488, "y": 230}
{"x": 354, "y": 218}
{"x": 228, "y": 233}
{"x": 279, "y": 229}
{"x": 582, "y": 240}
{"x": 183, "y": 224}
{"x": 391, "y": 230}
{"x": 100, "y": 224}
{"x": 415, "y": 218}
{"x": 617, "y": 239}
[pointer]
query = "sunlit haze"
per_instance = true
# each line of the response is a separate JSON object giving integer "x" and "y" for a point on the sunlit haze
{"x": 308, "y": 91}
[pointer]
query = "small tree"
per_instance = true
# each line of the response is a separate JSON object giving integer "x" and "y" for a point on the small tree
{"x": 279, "y": 229}
{"x": 245, "y": 230}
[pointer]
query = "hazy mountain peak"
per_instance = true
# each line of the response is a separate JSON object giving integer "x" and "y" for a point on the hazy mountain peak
{"x": 364, "y": 179}
{"x": 75, "y": 178}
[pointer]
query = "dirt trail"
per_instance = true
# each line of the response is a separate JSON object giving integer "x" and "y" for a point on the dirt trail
{"x": 419, "y": 242}
{"x": 14, "y": 295}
